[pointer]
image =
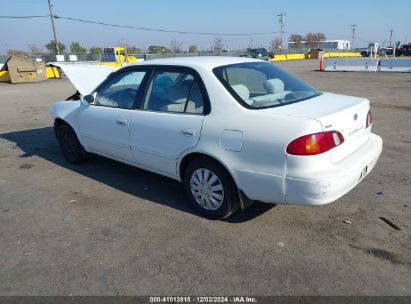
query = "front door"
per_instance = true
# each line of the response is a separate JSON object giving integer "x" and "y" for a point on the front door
{"x": 105, "y": 125}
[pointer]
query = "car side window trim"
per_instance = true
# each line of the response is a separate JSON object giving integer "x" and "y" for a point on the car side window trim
{"x": 124, "y": 71}
{"x": 176, "y": 69}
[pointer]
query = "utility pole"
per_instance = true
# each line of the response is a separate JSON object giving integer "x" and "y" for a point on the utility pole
{"x": 281, "y": 20}
{"x": 353, "y": 26}
{"x": 391, "y": 31}
{"x": 54, "y": 28}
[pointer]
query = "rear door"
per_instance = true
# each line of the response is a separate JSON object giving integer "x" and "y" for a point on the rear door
{"x": 169, "y": 119}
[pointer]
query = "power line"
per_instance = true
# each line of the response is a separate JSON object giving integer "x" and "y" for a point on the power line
{"x": 162, "y": 30}
{"x": 140, "y": 28}
{"x": 22, "y": 17}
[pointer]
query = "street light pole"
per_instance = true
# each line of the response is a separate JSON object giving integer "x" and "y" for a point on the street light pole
{"x": 391, "y": 31}
{"x": 353, "y": 26}
{"x": 54, "y": 28}
{"x": 281, "y": 20}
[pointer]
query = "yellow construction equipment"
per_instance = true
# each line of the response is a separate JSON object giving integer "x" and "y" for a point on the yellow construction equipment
{"x": 118, "y": 55}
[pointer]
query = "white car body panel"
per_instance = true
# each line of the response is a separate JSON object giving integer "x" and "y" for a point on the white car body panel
{"x": 106, "y": 131}
{"x": 157, "y": 147}
{"x": 250, "y": 144}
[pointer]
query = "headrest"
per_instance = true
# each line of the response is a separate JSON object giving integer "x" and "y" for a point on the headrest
{"x": 178, "y": 93}
{"x": 274, "y": 86}
{"x": 242, "y": 91}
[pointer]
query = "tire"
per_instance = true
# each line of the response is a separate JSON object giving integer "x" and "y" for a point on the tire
{"x": 69, "y": 144}
{"x": 216, "y": 199}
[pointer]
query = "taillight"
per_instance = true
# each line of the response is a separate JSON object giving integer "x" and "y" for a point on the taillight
{"x": 316, "y": 143}
{"x": 369, "y": 119}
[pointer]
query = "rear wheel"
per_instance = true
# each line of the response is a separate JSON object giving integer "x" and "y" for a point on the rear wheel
{"x": 70, "y": 145}
{"x": 210, "y": 188}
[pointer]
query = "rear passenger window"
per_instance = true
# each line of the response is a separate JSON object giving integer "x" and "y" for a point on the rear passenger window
{"x": 176, "y": 92}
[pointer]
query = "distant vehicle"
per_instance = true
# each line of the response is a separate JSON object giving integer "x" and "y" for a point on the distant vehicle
{"x": 372, "y": 49}
{"x": 117, "y": 54}
{"x": 232, "y": 130}
{"x": 404, "y": 50}
{"x": 259, "y": 53}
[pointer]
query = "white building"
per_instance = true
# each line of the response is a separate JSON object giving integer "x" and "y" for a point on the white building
{"x": 328, "y": 44}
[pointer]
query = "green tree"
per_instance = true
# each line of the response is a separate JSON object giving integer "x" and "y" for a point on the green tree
{"x": 134, "y": 50}
{"x": 158, "y": 49}
{"x": 94, "y": 50}
{"x": 77, "y": 49}
{"x": 51, "y": 47}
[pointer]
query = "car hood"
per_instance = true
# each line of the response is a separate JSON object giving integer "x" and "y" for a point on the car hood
{"x": 85, "y": 77}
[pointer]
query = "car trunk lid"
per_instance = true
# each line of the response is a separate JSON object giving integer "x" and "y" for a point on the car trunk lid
{"x": 345, "y": 114}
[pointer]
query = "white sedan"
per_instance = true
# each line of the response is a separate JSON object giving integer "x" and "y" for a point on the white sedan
{"x": 233, "y": 130}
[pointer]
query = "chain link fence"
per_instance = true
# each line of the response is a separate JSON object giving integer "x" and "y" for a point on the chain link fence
{"x": 110, "y": 58}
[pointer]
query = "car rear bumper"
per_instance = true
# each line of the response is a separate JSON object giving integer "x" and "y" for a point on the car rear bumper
{"x": 335, "y": 181}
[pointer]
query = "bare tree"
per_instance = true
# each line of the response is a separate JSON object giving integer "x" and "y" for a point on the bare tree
{"x": 193, "y": 48}
{"x": 314, "y": 40}
{"x": 218, "y": 45}
{"x": 297, "y": 40}
{"x": 176, "y": 46}
{"x": 34, "y": 50}
{"x": 18, "y": 53}
{"x": 275, "y": 44}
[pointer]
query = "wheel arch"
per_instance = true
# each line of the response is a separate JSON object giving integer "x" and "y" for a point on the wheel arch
{"x": 185, "y": 160}
{"x": 59, "y": 121}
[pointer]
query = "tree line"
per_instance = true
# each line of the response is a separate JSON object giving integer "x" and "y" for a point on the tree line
{"x": 312, "y": 40}
{"x": 77, "y": 49}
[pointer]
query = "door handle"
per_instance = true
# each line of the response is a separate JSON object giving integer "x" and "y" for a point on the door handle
{"x": 188, "y": 132}
{"x": 121, "y": 123}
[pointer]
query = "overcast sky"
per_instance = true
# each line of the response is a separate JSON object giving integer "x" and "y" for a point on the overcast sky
{"x": 374, "y": 19}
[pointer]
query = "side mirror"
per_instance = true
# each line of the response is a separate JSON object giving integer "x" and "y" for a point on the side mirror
{"x": 88, "y": 99}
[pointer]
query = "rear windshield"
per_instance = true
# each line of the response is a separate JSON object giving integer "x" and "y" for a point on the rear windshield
{"x": 260, "y": 85}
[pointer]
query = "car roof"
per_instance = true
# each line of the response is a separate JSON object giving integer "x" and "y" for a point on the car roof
{"x": 206, "y": 62}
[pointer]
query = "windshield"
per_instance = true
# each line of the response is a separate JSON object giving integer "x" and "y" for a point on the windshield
{"x": 263, "y": 85}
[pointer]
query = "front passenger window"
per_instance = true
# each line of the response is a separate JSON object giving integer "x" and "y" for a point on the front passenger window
{"x": 120, "y": 91}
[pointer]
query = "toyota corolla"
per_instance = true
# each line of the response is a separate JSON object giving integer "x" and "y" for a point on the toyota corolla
{"x": 232, "y": 130}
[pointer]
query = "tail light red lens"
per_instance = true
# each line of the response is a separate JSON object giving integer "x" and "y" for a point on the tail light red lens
{"x": 369, "y": 119}
{"x": 316, "y": 143}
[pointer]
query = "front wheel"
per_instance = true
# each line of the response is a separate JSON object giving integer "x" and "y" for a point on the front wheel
{"x": 70, "y": 145}
{"x": 210, "y": 188}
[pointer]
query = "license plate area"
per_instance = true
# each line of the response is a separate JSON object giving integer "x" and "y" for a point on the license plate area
{"x": 363, "y": 172}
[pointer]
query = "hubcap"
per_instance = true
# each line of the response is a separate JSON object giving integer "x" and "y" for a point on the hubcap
{"x": 207, "y": 189}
